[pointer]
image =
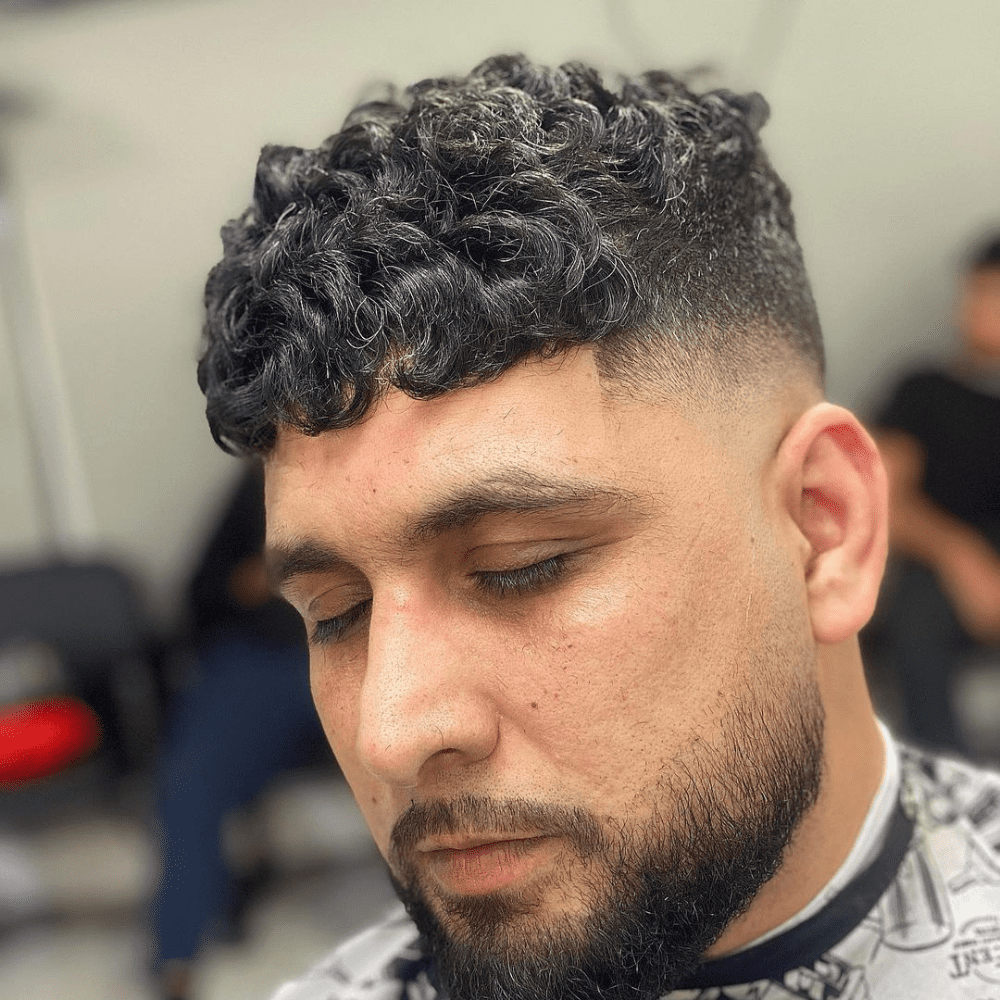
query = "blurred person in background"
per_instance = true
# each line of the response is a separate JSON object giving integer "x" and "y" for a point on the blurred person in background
{"x": 245, "y": 717}
{"x": 939, "y": 436}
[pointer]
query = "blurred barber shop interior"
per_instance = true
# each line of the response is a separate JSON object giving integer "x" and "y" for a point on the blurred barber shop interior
{"x": 167, "y": 801}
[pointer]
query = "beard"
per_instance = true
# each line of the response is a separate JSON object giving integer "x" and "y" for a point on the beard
{"x": 651, "y": 895}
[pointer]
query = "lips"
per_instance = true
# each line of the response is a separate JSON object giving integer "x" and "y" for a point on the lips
{"x": 474, "y": 865}
{"x": 468, "y": 841}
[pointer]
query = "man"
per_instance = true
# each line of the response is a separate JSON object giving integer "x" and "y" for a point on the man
{"x": 582, "y": 553}
{"x": 940, "y": 438}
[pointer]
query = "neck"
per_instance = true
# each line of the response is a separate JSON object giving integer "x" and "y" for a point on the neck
{"x": 853, "y": 765}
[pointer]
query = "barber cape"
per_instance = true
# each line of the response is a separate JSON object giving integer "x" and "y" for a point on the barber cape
{"x": 918, "y": 920}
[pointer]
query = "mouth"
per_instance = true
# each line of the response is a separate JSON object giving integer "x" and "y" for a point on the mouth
{"x": 470, "y": 841}
{"x": 475, "y": 865}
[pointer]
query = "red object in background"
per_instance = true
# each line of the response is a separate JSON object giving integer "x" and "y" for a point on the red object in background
{"x": 42, "y": 737}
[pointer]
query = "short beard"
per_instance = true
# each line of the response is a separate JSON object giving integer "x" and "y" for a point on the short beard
{"x": 657, "y": 894}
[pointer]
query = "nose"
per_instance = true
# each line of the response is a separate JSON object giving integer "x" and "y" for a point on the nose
{"x": 425, "y": 707}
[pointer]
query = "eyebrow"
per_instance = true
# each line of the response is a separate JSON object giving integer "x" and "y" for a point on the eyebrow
{"x": 516, "y": 491}
{"x": 285, "y": 562}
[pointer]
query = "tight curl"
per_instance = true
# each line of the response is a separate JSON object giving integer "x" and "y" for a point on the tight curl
{"x": 438, "y": 239}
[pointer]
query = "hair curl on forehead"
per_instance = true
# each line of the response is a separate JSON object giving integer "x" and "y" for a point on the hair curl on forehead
{"x": 440, "y": 238}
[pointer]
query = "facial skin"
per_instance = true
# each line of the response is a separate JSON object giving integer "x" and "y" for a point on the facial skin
{"x": 979, "y": 314}
{"x": 530, "y": 592}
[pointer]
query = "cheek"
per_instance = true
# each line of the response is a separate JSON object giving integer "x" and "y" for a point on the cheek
{"x": 646, "y": 662}
{"x": 336, "y": 694}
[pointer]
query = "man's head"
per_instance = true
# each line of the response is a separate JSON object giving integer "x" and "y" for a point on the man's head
{"x": 536, "y": 373}
{"x": 979, "y": 307}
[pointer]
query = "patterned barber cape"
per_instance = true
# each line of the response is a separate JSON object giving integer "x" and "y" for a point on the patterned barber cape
{"x": 921, "y": 921}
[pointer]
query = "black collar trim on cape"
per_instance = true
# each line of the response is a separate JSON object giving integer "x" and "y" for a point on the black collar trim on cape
{"x": 802, "y": 944}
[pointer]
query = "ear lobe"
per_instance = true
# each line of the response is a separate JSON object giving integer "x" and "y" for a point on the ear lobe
{"x": 835, "y": 491}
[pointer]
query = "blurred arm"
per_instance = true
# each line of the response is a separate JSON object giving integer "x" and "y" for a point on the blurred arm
{"x": 965, "y": 562}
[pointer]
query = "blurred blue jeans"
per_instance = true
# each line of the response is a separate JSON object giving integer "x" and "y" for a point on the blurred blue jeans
{"x": 247, "y": 718}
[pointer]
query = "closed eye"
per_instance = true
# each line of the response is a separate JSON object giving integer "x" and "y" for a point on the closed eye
{"x": 497, "y": 583}
{"x": 523, "y": 579}
{"x": 332, "y": 630}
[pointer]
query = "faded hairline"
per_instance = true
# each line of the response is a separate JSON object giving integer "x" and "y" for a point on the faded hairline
{"x": 653, "y": 365}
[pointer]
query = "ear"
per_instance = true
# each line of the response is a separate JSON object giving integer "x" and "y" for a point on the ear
{"x": 834, "y": 488}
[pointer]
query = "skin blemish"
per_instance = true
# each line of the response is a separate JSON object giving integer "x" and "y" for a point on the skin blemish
{"x": 534, "y": 704}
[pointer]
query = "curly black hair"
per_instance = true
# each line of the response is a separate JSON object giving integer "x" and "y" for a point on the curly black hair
{"x": 442, "y": 237}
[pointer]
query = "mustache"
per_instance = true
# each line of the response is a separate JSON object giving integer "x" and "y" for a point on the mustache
{"x": 495, "y": 817}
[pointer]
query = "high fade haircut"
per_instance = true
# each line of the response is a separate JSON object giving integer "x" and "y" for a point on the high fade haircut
{"x": 445, "y": 235}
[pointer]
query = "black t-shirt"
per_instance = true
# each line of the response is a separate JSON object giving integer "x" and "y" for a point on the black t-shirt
{"x": 959, "y": 429}
{"x": 238, "y": 535}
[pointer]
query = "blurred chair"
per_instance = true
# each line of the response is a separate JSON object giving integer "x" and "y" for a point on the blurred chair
{"x": 80, "y": 629}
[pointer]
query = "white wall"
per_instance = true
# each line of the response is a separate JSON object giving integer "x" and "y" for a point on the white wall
{"x": 149, "y": 117}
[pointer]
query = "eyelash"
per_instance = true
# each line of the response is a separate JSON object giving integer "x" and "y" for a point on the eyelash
{"x": 332, "y": 630}
{"x": 523, "y": 580}
{"x": 495, "y": 583}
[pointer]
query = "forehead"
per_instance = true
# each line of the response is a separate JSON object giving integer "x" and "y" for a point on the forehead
{"x": 525, "y": 408}
{"x": 543, "y": 421}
